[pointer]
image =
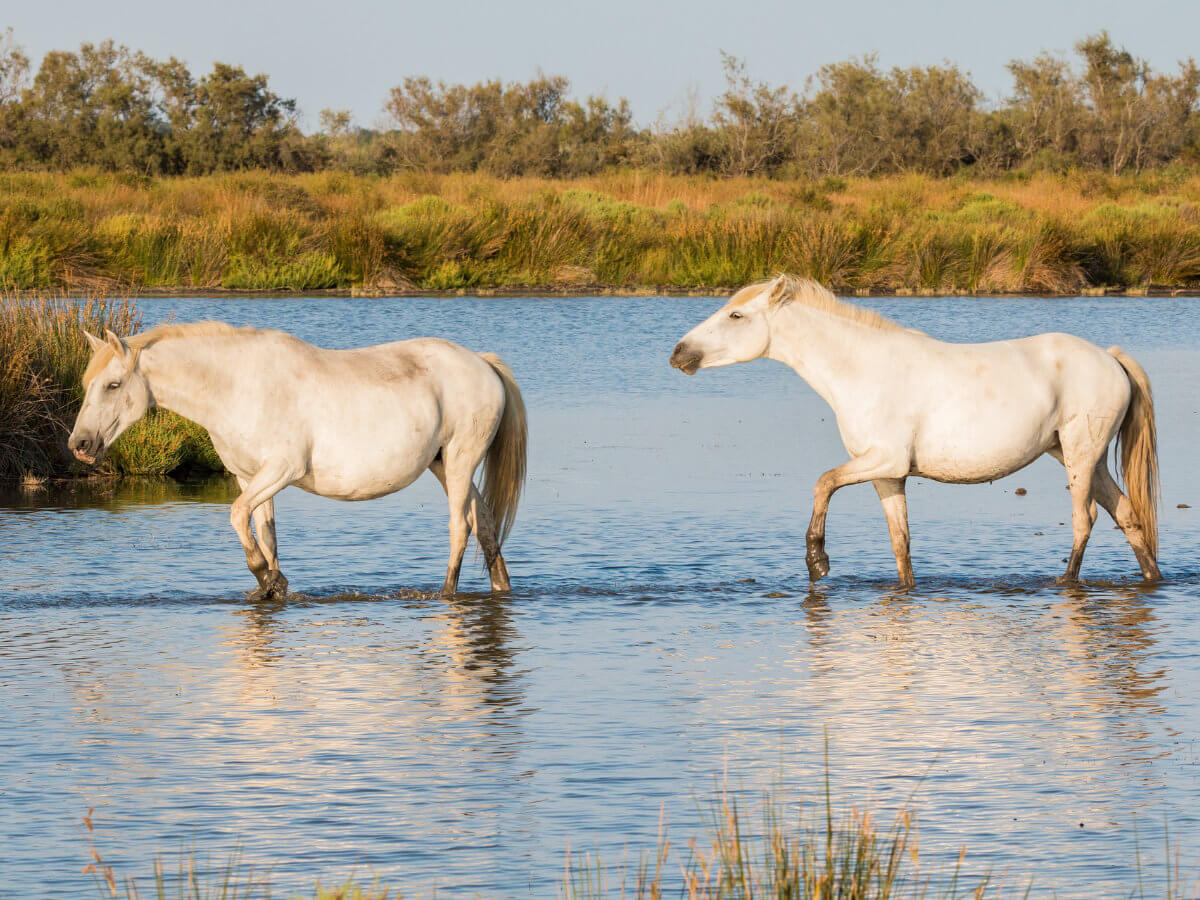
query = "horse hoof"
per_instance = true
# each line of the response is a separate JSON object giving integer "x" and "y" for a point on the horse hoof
{"x": 279, "y": 586}
{"x": 274, "y": 587}
{"x": 818, "y": 567}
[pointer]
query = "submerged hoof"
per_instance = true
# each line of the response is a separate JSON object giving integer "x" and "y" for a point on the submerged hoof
{"x": 274, "y": 587}
{"x": 818, "y": 566}
{"x": 499, "y": 576}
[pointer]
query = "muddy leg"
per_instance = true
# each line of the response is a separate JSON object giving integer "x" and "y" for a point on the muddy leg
{"x": 479, "y": 521}
{"x": 256, "y": 491}
{"x": 485, "y": 532}
{"x": 1118, "y": 506}
{"x": 895, "y": 507}
{"x": 264, "y": 530}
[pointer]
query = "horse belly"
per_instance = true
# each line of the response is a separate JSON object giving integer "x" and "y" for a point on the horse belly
{"x": 373, "y": 451}
{"x": 366, "y": 475}
{"x": 990, "y": 444}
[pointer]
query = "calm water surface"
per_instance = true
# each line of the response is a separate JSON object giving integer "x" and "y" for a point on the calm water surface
{"x": 661, "y": 636}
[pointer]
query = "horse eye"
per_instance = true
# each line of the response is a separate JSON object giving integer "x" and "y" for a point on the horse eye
{"x": 113, "y": 385}
{"x": 735, "y": 315}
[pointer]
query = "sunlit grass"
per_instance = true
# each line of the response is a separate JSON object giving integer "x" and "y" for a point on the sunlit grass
{"x": 630, "y": 230}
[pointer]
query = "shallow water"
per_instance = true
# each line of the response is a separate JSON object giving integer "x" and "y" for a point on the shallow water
{"x": 661, "y": 636}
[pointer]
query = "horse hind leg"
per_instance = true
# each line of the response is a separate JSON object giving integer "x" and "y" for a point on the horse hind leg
{"x": 1118, "y": 506}
{"x": 895, "y": 507}
{"x": 484, "y": 525}
{"x": 1079, "y": 454}
{"x": 480, "y": 521}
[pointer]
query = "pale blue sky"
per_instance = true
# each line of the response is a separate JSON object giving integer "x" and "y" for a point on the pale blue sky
{"x": 347, "y": 53}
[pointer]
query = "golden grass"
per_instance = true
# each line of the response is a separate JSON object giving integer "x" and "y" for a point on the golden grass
{"x": 626, "y": 230}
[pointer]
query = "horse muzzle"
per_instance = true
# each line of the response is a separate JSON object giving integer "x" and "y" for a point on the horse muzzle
{"x": 685, "y": 359}
{"x": 87, "y": 450}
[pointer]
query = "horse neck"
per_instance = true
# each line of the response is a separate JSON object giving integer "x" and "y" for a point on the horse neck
{"x": 191, "y": 376}
{"x": 833, "y": 354}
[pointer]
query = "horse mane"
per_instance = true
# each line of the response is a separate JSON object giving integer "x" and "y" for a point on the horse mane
{"x": 166, "y": 331}
{"x": 806, "y": 291}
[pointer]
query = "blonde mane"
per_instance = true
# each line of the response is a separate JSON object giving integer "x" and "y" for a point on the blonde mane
{"x": 167, "y": 331}
{"x": 816, "y": 296}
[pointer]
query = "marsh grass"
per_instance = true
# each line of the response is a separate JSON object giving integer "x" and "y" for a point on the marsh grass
{"x": 788, "y": 852}
{"x": 782, "y": 850}
{"x": 255, "y": 231}
{"x": 42, "y": 357}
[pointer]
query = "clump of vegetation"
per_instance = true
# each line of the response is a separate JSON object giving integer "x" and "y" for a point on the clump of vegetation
{"x": 793, "y": 851}
{"x": 42, "y": 357}
{"x": 814, "y": 855}
{"x": 811, "y": 857}
{"x": 258, "y": 231}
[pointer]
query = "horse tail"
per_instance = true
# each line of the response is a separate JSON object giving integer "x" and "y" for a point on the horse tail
{"x": 1137, "y": 447}
{"x": 504, "y": 465}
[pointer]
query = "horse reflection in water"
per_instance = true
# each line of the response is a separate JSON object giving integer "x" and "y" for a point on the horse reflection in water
{"x": 908, "y": 404}
{"x": 347, "y": 424}
{"x": 1079, "y": 673}
{"x": 460, "y": 663}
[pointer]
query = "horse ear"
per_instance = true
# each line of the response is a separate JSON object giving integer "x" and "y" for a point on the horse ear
{"x": 779, "y": 291}
{"x": 94, "y": 342}
{"x": 117, "y": 344}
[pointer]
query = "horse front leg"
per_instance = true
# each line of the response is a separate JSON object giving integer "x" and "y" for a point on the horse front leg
{"x": 264, "y": 529}
{"x": 868, "y": 467}
{"x": 261, "y": 559}
{"x": 895, "y": 507}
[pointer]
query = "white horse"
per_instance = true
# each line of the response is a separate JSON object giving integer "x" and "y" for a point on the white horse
{"x": 348, "y": 424}
{"x": 907, "y": 404}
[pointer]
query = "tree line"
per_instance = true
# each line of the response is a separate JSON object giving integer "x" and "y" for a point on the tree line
{"x": 109, "y": 107}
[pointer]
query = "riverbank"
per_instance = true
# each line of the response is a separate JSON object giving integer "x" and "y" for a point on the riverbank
{"x": 628, "y": 232}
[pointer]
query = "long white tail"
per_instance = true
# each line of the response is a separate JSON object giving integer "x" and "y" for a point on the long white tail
{"x": 1137, "y": 446}
{"x": 504, "y": 465}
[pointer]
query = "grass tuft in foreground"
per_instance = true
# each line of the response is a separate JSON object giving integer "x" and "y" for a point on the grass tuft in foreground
{"x": 809, "y": 853}
{"x": 806, "y": 851}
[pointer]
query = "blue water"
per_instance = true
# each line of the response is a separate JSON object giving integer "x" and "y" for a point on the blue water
{"x": 661, "y": 637}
